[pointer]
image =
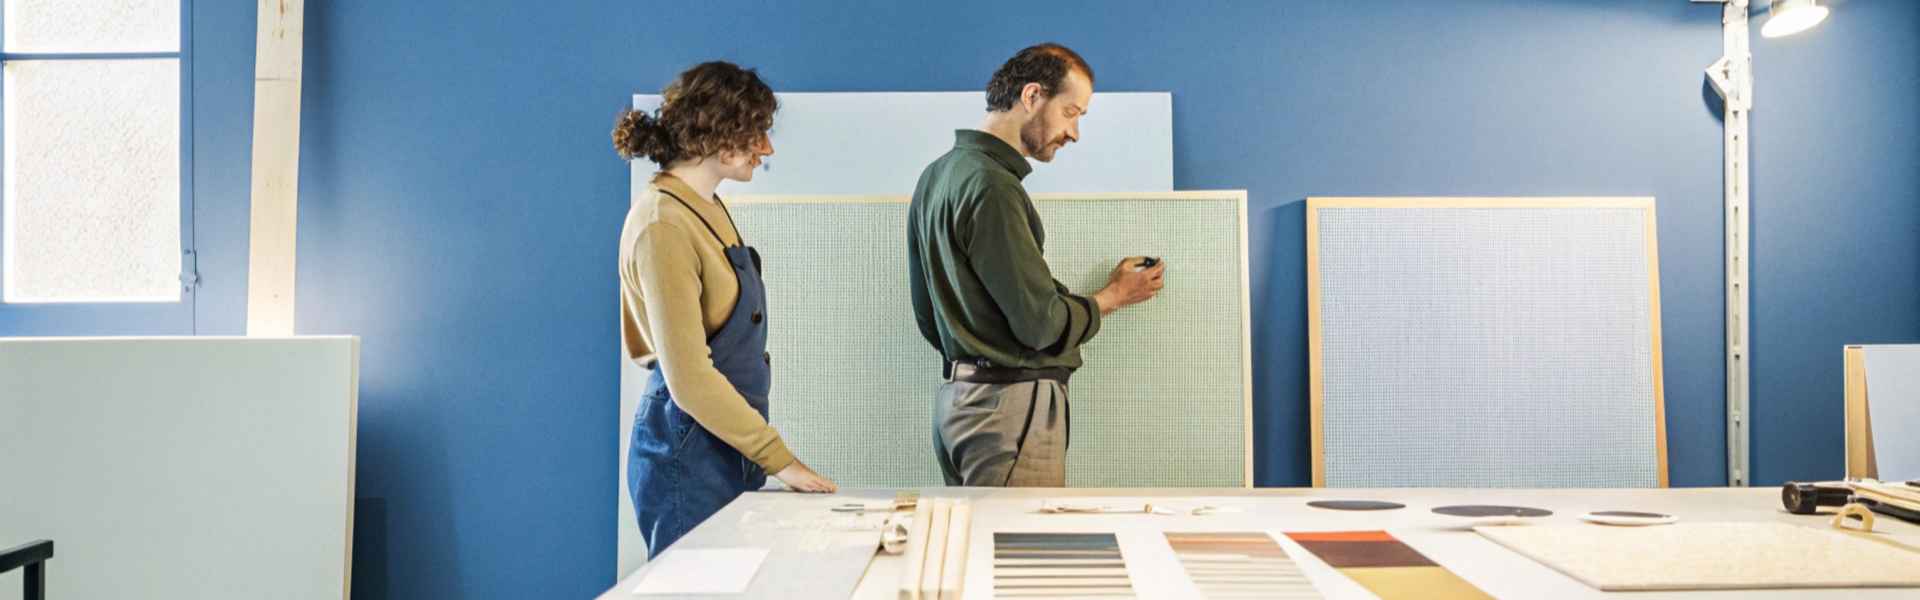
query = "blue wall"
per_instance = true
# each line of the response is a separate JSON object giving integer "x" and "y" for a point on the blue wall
{"x": 460, "y": 203}
{"x": 1836, "y": 222}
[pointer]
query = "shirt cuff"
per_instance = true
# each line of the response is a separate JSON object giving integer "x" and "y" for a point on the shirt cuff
{"x": 774, "y": 457}
{"x": 1093, "y": 319}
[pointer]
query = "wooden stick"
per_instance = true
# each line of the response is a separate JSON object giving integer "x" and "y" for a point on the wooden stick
{"x": 916, "y": 554}
{"x": 936, "y": 549}
{"x": 276, "y": 167}
{"x": 953, "y": 571}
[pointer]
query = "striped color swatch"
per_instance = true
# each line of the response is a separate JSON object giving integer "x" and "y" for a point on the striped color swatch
{"x": 1240, "y": 565}
{"x": 1386, "y": 566}
{"x": 1059, "y": 565}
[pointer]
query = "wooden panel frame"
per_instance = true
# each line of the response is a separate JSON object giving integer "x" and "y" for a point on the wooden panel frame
{"x": 1860, "y": 459}
{"x": 1239, "y": 197}
{"x": 1315, "y": 364}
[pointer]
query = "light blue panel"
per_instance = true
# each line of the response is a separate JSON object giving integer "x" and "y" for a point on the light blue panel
{"x": 876, "y": 143}
{"x": 1893, "y": 404}
{"x": 1487, "y": 347}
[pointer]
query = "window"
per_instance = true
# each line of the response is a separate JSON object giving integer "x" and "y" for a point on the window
{"x": 94, "y": 158}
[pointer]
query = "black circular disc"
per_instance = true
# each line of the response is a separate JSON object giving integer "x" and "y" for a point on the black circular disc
{"x": 1630, "y": 514}
{"x": 1481, "y": 510}
{"x": 1355, "y": 505}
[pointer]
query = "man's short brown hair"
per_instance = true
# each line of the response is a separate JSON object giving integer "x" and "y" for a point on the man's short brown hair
{"x": 1046, "y": 64}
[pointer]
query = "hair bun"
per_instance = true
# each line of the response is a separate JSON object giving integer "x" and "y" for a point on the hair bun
{"x": 637, "y": 134}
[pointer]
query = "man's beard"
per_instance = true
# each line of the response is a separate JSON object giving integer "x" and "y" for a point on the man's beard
{"x": 1033, "y": 136}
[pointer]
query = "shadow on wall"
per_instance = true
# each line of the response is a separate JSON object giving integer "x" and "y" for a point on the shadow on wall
{"x": 1711, "y": 100}
{"x": 369, "y": 579}
{"x": 395, "y": 445}
{"x": 1281, "y": 423}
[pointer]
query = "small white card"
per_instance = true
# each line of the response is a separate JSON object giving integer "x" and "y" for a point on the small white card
{"x": 702, "y": 571}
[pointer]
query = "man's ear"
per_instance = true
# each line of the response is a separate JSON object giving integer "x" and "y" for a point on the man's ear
{"x": 1031, "y": 95}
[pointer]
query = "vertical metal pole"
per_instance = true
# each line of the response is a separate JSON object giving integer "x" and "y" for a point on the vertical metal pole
{"x": 1739, "y": 101}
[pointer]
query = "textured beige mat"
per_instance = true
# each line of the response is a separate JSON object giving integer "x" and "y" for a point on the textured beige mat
{"x": 1712, "y": 556}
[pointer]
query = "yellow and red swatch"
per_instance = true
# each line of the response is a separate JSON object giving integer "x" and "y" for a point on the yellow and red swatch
{"x": 1386, "y": 566}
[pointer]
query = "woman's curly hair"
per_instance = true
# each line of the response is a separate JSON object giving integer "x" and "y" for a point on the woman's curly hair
{"x": 711, "y": 108}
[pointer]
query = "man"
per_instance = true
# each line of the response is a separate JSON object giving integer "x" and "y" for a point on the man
{"x": 984, "y": 297}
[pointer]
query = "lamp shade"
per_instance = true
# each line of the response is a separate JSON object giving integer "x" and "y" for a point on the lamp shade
{"x": 1788, "y": 17}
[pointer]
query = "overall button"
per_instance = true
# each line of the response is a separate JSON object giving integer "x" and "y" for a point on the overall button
{"x": 767, "y": 357}
{"x": 757, "y": 317}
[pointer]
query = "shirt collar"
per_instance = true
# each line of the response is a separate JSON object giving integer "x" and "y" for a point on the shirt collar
{"x": 675, "y": 186}
{"x": 995, "y": 148}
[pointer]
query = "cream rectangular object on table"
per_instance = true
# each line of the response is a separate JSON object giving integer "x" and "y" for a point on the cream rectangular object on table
{"x": 1713, "y": 556}
{"x": 702, "y": 571}
{"x": 953, "y": 573}
{"x": 1459, "y": 342}
{"x": 917, "y": 550}
{"x": 185, "y": 467}
{"x": 936, "y": 559}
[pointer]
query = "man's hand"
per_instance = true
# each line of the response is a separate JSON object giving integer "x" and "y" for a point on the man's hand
{"x": 1129, "y": 285}
{"x": 798, "y": 477}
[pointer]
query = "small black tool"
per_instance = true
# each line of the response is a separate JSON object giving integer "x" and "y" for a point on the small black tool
{"x": 1147, "y": 263}
{"x": 1807, "y": 498}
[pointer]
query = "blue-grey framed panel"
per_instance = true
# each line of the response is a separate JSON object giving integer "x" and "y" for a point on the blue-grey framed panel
{"x": 117, "y": 318}
{"x": 1461, "y": 342}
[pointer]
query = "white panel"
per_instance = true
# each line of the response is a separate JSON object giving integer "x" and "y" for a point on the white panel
{"x": 1893, "y": 406}
{"x": 93, "y": 25}
{"x": 92, "y": 181}
{"x": 181, "y": 467}
{"x": 877, "y": 143}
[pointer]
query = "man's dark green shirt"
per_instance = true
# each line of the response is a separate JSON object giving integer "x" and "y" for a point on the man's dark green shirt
{"x": 981, "y": 289}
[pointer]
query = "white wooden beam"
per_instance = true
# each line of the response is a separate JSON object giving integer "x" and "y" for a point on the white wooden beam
{"x": 276, "y": 167}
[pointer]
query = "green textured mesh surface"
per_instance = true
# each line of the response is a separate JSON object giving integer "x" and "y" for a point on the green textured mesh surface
{"x": 1161, "y": 402}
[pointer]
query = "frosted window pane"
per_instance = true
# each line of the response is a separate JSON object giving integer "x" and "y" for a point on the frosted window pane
{"x": 93, "y": 25}
{"x": 92, "y": 181}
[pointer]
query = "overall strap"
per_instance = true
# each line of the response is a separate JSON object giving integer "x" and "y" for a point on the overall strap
{"x": 703, "y": 220}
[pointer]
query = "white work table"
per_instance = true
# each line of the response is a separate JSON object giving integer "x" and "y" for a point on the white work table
{"x": 779, "y": 521}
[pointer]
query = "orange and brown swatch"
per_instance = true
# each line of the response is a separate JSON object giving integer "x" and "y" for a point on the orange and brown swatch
{"x": 1386, "y": 566}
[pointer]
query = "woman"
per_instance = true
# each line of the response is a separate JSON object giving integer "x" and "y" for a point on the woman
{"x": 693, "y": 307}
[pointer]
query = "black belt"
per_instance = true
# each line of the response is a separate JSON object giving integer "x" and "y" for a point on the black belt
{"x": 974, "y": 373}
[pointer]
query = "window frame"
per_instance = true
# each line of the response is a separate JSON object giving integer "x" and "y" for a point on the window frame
{"x": 113, "y": 317}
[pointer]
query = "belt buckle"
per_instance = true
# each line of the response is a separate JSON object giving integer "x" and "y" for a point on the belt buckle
{"x": 963, "y": 370}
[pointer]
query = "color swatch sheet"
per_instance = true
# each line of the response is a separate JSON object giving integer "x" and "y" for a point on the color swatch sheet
{"x": 1386, "y": 566}
{"x": 1240, "y": 565}
{"x": 1059, "y": 565}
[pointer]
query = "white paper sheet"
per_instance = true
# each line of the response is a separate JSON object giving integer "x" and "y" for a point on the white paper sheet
{"x": 705, "y": 571}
